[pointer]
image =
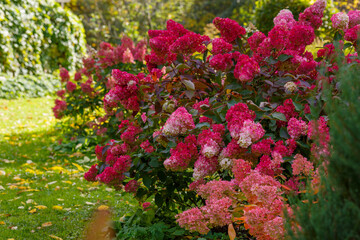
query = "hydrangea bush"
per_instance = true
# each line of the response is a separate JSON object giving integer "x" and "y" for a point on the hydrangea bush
{"x": 80, "y": 102}
{"x": 222, "y": 131}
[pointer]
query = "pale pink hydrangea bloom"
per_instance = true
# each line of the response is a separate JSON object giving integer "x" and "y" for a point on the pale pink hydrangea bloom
{"x": 340, "y": 21}
{"x": 249, "y": 133}
{"x": 204, "y": 167}
{"x": 210, "y": 149}
{"x": 354, "y": 18}
{"x": 302, "y": 165}
{"x": 297, "y": 128}
{"x": 216, "y": 212}
{"x": 179, "y": 122}
{"x": 193, "y": 220}
{"x": 284, "y": 18}
{"x": 215, "y": 190}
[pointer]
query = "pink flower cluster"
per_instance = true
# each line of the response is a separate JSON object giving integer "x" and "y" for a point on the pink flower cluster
{"x": 146, "y": 145}
{"x": 229, "y": 29}
{"x": 124, "y": 53}
{"x": 60, "y": 107}
{"x": 302, "y": 165}
{"x": 178, "y": 123}
{"x": 64, "y": 75}
{"x": 125, "y": 91}
{"x": 297, "y": 128}
{"x": 166, "y": 44}
{"x": 132, "y": 186}
{"x": 182, "y": 155}
{"x": 246, "y": 68}
{"x": 340, "y": 21}
{"x": 216, "y": 211}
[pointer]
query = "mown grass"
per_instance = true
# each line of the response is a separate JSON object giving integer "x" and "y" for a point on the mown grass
{"x": 43, "y": 194}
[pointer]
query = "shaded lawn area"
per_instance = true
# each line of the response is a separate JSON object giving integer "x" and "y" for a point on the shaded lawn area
{"x": 43, "y": 194}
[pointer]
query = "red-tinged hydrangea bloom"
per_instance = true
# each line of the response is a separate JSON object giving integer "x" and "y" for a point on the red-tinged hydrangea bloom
{"x": 194, "y": 185}
{"x": 301, "y": 165}
{"x": 352, "y": 34}
{"x": 179, "y": 122}
{"x": 300, "y": 36}
{"x": 229, "y": 29}
{"x": 237, "y": 115}
{"x": 110, "y": 177}
{"x": 70, "y": 86}
{"x": 189, "y": 44}
{"x": 241, "y": 169}
{"x": 265, "y": 166}
{"x": 204, "y": 167}
{"x": 146, "y": 206}
{"x": 220, "y": 46}
{"x": 99, "y": 153}
{"x": 160, "y": 45}
{"x": 327, "y": 51}
{"x": 354, "y": 18}
{"x": 204, "y": 103}
{"x": 216, "y": 189}
{"x": 249, "y": 133}
{"x": 132, "y": 186}
{"x": 182, "y": 155}
{"x": 176, "y": 28}
{"x": 217, "y": 212}
{"x": 77, "y": 76}
{"x": 246, "y": 68}
{"x": 340, "y": 21}
{"x": 252, "y": 185}
{"x": 86, "y": 87}
{"x": 255, "y": 40}
{"x": 313, "y": 14}
{"x": 64, "y": 75}
{"x": 285, "y": 18}
{"x": 288, "y": 109}
{"x": 91, "y": 174}
{"x": 222, "y": 62}
{"x": 128, "y": 56}
{"x": 130, "y": 134}
{"x": 210, "y": 143}
{"x": 60, "y": 107}
{"x": 297, "y": 128}
{"x": 279, "y": 37}
{"x": 140, "y": 51}
{"x": 122, "y": 164}
{"x": 262, "y": 147}
{"x": 193, "y": 220}
{"x": 319, "y": 131}
{"x": 147, "y": 146}
{"x": 61, "y": 93}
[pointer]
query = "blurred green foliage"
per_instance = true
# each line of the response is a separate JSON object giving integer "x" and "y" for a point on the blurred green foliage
{"x": 109, "y": 20}
{"x": 28, "y": 86}
{"x": 266, "y": 11}
{"x": 37, "y": 36}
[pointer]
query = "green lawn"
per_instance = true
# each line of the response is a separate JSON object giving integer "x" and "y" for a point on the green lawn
{"x": 43, "y": 194}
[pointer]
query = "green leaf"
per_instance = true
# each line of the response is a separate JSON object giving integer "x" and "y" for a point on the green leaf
{"x": 284, "y": 57}
{"x": 147, "y": 181}
{"x": 278, "y": 116}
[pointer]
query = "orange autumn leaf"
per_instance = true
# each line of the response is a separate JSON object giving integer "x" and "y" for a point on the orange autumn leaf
{"x": 231, "y": 231}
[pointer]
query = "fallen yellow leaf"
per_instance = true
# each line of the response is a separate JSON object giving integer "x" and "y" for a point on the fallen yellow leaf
{"x": 32, "y": 210}
{"x": 103, "y": 207}
{"x": 57, "y": 208}
{"x": 47, "y": 224}
{"x": 2, "y": 223}
{"x": 55, "y": 237}
{"x": 80, "y": 168}
{"x": 41, "y": 207}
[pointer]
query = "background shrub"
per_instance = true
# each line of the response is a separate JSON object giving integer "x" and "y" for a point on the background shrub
{"x": 28, "y": 86}
{"x": 38, "y": 35}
